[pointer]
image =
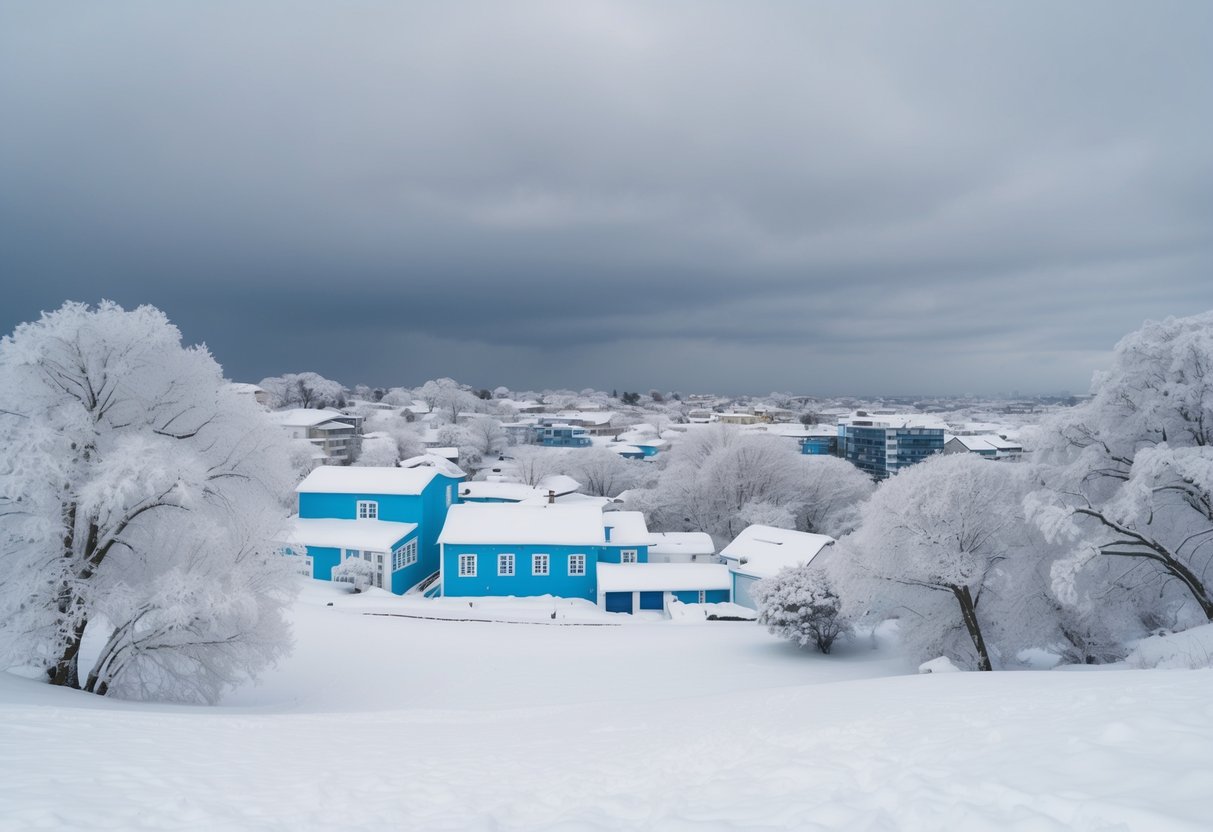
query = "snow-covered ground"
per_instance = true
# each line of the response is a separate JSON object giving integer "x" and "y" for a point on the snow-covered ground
{"x": 383, "y": 723}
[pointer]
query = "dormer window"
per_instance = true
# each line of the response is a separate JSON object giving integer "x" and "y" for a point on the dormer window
{"x": 368, "y": 510}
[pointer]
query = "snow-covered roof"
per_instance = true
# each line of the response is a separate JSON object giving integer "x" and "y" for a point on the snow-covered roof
{"x": 304, "y": 417}
{"x": 334, "y": 479}
{"x": 490, "y": 490}
{"x": 244, "y": 387}
{"x": 627, "y": 528}
{"x": 567, "y": 499}
{"x": 379, "y": 535}
{"x": 621, "y": 448}
{"x": 439, "y": 463}
{"x": 490, "y": 523}
{"x": 681, "y": 543}
{"x": 560, "y": 483}
{"x": 985, "y": 442}
{"x": 596, "y": 418}
{"x": 669, "y": 577}
{"x": 896, "y": 420}
{"x": 761, "y": 551}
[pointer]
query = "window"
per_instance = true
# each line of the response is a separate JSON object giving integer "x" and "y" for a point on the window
{"x": 576, "y": 564}
{"x": 450, "y": 495}
{"x": 368, "y": 510}
{"x": 540, "y": 564}
{"x": 505, "y": 565}
{"x": 405, "y": 555}
{"x": 467, "y": 566}
{"x": 352, "y": 553}
{"x": 703, "y": 596}
{"x": 627, "y": 556}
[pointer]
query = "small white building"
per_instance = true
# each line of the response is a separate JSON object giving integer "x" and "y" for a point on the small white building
{"x": 682, "y": 547}
{"x": 762, "y": 551}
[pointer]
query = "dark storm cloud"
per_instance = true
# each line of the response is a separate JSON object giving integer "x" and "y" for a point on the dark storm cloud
{"x": 826, "y": 197}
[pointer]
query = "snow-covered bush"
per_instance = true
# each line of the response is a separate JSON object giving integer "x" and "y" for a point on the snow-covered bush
{"x": 379, "y": 450}
{"x": 799, "y": 604}
{"x": 140, "y": 499}
{"x": 356, "y": 571}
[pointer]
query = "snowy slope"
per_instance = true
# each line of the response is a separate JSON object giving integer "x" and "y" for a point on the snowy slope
{"x": 390, "y": 723}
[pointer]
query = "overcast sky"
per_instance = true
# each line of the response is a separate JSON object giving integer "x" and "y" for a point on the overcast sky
{"x": 743, "y": 197}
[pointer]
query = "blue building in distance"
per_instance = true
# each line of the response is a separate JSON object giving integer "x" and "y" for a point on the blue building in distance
{"x": 389, "y": 517}
{"x": 883, "y": 445}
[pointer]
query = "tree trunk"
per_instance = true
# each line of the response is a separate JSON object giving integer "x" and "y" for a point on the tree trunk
{"x": 968, "y": 611}
{"x": 66, "y": 672}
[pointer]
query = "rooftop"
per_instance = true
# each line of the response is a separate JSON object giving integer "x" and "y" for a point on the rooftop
{"x": 334, "y": 479}
{"x": 501, "y": 523}
{"x": 762, "y": 551}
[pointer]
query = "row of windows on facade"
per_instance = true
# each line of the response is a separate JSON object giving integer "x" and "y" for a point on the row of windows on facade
{"x": 369, "y": 509}
{"x": 402, "y": 556}
{"x": 541, "y": 565}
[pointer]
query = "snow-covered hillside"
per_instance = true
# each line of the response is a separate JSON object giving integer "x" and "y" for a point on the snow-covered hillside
{"x": 394, "y": 723}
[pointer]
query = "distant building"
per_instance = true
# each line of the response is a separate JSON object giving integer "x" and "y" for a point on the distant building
{"x": 885, "y": 444}
{"x": 560, "y": 435}
{"x": 987, "y": 446}
{"x": 336, "y": 436}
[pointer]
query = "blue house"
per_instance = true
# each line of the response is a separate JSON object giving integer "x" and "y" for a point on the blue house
{"x": 562, "y": 436}
{"x": 494, "y": 549}
{"x": 390, "y": 517}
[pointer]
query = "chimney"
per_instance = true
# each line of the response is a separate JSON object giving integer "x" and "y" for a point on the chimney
{"x": 551, "y": 496}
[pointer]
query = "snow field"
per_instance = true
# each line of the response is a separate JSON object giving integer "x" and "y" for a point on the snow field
{"x": 388, "y": 723}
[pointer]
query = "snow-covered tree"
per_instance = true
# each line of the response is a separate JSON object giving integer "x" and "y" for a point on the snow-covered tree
{"x": 1129, "y": 477}
{"x": 602, "y": 472}
{"x": 716, "y": 478}
{"x": 379, "y": 450}
{"x": 532, "y": 463}
{"x": 303, "y": 390}
{"x": 933, "y": 537}
{"x": 448, "y": 397}
{"x": 485, "y": 434}
{"x": 799, "y": 604}
{"x": 356, "y": 571}
{"x": 832, "y": 490}
{"x": 139, "y": 497}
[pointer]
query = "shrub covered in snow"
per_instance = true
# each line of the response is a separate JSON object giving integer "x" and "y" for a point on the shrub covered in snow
{"x": 800, "y": 605}
{"x": 356, "y": 571}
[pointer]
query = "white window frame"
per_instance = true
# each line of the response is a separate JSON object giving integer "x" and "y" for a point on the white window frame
{"x": 464, "y": 570}
{"x": 404, "y": 556}
{"x": 505, "y": 565}
{"x": 629, "y": 556}
{"x": 703, "y": 596}
{"x": 367, "y": 510}
{"x": 539, "y": 559}
{"x": 450, "y": 495}
{"x": 579, "y": 560}
{"x": 346, "y": 554}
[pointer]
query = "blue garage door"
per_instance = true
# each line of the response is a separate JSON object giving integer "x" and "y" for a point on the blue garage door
{"x": 652, "y": 600}
{"x": 619, "y": 602}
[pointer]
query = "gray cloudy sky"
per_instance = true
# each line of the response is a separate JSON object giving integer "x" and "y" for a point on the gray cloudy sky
{"x": 821, "y": 197}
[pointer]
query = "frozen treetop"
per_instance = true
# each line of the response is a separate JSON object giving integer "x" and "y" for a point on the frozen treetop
{"x": 761, "y": 551}
{"x": 333, "y": 479}
{"x": 472, "y": 523}
{"x": 660, "y": 577}
{"x": 379, "y": 535}
{"x": 304, "y": 417}
{"x": 682, "y": 543}
{"x": 627, "y": 528}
